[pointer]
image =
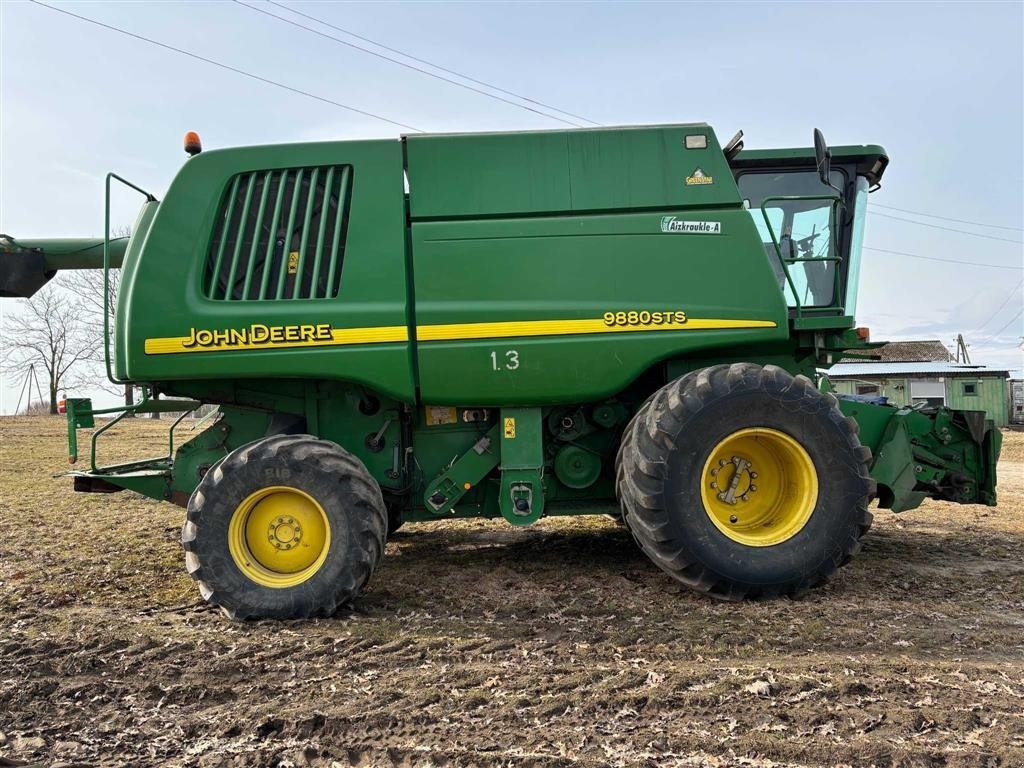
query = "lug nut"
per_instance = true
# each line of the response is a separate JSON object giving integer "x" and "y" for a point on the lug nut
{"x": 732, "y": 518}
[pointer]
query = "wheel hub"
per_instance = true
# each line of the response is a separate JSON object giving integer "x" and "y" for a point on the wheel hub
{"x": 279, "y": 536}
{"x": 737, "y": 482}
{"x": 759, "y": 486}
{"x": 284, "y": 533}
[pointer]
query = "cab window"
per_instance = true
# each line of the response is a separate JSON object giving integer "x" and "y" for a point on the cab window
{"x": 803, "y": 230}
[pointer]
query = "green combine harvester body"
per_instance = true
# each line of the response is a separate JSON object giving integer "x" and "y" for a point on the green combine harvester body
{"x": 484, "y": 323}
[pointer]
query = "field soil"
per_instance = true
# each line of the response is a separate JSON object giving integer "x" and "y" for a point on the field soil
{"x": 482, "y": 645}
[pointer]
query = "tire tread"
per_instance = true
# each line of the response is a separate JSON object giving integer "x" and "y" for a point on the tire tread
{"x": 656, "y": 428}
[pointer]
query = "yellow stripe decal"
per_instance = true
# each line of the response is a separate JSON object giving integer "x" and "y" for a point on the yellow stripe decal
{"x": 567, "y": 327}
{"x": 285, "y": 337}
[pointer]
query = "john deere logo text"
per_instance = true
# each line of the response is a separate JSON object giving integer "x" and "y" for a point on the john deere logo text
{"x": 698, "y": 177}
{"x": 672, "y": 224}
{"x": 257, "y": 334}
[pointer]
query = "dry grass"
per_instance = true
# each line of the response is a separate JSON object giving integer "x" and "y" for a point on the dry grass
{"x": 1013, "y": 446}
{"x": 479, "y": 644}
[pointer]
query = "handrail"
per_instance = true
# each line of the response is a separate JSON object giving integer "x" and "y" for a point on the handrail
{"x": 786, "y": 261}
{"x": 143, "y": 406}
{"x": 106, "y": 268}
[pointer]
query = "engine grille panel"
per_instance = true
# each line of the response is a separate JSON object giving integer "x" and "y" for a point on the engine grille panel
{"x": 280, "y": 235}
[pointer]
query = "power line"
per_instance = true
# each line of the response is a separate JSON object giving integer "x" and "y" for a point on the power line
{"x": 228, "y": 67}
{"x": 1012, "y": 320}
{"x": 945, "y": 218}
{"x": 1000, "y": 307}
{"x": 948, "y": 229}
{"x": 936, "y": 258}
{"x": 431, "y": 63}
{"x": 407, "y": 66}
{"x": 350, "y": 108}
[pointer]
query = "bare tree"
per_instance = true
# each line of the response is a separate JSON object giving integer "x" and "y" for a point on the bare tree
{"x": 50, "y": 333}
{"x": 87, "y": 285}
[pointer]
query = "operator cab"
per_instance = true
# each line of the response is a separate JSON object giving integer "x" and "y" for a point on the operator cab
{"x": 809, "y": 207}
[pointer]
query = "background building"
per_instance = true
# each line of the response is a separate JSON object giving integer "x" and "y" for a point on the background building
{"x": 909, "y": 372}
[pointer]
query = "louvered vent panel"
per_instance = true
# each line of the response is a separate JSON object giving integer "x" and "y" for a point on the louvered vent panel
{"x": 280, "y": 235}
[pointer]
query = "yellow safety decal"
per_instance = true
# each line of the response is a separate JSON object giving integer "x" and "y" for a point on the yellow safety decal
{"x": 259, "y": 336}
{"x": 293, "y": 262}
{"x": 510, "y": 427}
{"x": 435, "y": 415}
{"x": 568, "y": 327}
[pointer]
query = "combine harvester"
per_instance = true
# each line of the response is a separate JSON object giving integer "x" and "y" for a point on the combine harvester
{"x": 620, "y": 321}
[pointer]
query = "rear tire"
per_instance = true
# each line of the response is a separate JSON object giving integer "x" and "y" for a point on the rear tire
{"x": 794, "y": 486}
{"x": 286, "y": 527}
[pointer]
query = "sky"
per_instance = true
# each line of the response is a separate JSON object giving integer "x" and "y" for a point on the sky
{"x": 939, "y": 85}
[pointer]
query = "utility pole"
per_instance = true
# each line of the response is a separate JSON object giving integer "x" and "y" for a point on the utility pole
{"x": 30, "y": 376}
{"x": 962, "y": 355}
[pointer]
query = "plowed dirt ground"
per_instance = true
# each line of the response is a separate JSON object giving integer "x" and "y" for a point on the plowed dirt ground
{"x": 482, "y": 645}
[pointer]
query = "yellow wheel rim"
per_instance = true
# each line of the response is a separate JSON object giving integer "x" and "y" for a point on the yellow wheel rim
{"x": 759, "y": 487}
{"x": 279, "y": 536}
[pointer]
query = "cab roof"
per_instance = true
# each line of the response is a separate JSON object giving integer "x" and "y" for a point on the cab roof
{"x": 871, "y": 159}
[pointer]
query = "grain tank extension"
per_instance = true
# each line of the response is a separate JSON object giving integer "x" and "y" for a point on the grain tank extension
{"x": 623, "y": 321}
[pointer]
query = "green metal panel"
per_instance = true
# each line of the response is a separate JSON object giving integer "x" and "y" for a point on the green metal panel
{"x": 521, "y": 496}
{"x": 551, "y": 172}
{"x": 164, "y": 299}
{"x": 486, "y": 174}
{"x": 468, "y": 470}
{"x": 648, "y": 168}
{"x": 944, "y": 454}
{"x": 478, "y": 273}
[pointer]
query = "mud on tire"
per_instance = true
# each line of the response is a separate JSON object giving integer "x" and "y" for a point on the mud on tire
{"x": 348, "y": 496}
{"x": 661, "y": 467}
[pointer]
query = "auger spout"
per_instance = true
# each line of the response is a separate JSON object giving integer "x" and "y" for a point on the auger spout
{"x": 26, "y": 265}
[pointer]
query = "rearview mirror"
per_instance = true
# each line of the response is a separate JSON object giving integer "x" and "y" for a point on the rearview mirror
{"x": 823, "y": 157}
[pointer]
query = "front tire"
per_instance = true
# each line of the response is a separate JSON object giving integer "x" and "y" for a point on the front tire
{"x": 744, "y": 481}
{"x": 286, "y": 527}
